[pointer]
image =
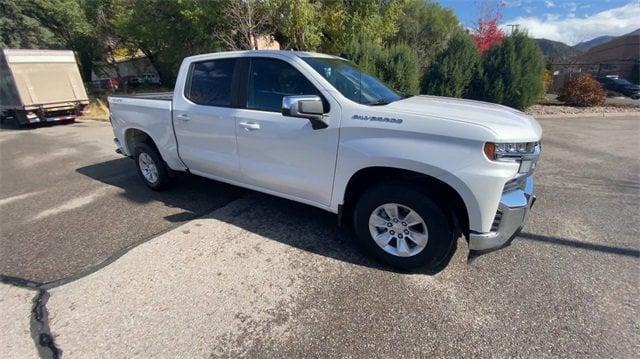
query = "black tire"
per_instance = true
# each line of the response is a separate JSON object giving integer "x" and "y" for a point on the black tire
{"x": 164, "y": 177}
{"x": 12, "y": 120}
{"x": 441, "y": 237}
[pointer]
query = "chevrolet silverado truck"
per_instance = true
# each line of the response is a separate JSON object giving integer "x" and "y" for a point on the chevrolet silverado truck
{"x": 410, "y": 173}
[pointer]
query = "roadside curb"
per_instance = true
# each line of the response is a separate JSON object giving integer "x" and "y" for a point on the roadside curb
{"x": 589, "y": 115}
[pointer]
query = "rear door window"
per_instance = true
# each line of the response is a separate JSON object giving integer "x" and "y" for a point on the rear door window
{"x": 210, "y": 82}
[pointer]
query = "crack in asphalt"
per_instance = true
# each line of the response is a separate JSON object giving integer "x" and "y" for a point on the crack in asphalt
{"x": 20, "y": 282}
{"x": 39, "y": 322}
{"x": 29, "y": 284}
{"x": 39, "y": 325}
{"x": 40, "y": 331}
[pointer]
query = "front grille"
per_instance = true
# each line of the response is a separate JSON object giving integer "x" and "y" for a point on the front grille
{"x": 496, "y": 221}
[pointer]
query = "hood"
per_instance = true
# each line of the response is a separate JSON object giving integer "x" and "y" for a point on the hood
{"x": 506, "y": 123}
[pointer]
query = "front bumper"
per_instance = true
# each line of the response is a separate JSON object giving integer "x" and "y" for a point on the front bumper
{"x": 513, "y": 211}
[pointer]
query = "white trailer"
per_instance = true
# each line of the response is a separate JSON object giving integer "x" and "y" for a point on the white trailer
{"x": 40, "y": 86}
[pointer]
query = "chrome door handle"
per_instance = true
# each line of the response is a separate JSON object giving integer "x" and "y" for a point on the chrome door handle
{"x": 250, "y": 126}
{"x": 184, "y": 117}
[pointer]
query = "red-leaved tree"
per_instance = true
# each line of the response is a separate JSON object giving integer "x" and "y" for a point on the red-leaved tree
{"x": 487, "y": 33}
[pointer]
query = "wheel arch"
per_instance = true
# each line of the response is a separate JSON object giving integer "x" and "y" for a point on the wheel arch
{"x": 445, "y": 194}
{"x": 133, "y": 136}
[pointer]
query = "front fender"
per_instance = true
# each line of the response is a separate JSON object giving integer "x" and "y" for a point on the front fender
{"x": 436, "y": 157}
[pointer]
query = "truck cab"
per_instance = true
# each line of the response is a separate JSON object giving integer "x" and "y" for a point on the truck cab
{"x": 409, "y": 173}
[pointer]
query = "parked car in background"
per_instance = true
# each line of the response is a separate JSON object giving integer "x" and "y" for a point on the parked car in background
{"x": 620, "y": 85}
{"x": 40, "y": 86}
{"x": 134, "y": 81}
{"x": 111, "y": 84}
{"x": 410, "y": 173}
{"x": 151, "y": 79}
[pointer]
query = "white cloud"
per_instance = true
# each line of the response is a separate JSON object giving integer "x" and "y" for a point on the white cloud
{"x": 572, "y": 30}
{"x": 551, "y": 17}
{"x": 571, "y": 6}
{"x": 549, "y": 3}
{"x": 512, "y": 3}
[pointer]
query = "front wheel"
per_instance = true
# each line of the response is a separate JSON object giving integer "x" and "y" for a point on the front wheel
{"x": 402, "y": 226}
{"x": 151, "y": 167}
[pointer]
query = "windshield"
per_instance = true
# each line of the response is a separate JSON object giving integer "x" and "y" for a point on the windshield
{"x": 353, "y": 83}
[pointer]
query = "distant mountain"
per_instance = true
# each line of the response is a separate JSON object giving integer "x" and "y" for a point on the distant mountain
{"x": 622, "y": 49}
{"x": 556, "y": 51}
{"x": 586, "y": 45}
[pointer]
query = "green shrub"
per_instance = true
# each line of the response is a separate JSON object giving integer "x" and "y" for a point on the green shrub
{"x": 367, "y": 54}
{"x": 452, "y": 71}
{"x": 396, "y": 66}
{"x": 426, "y": 27}
{"x": 400, "y": 70}
{"x": 584, "y": 91}
{"x": 512, "y": 73}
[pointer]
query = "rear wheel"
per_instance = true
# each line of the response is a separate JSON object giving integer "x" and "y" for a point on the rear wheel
{"x": 151, "y": 167}
{"x": 402, "y": 226}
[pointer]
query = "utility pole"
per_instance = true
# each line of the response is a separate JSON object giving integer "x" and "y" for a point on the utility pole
{"x": 514, "y": 27}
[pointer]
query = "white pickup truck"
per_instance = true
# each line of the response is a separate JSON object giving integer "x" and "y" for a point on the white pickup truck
{"x": 410, "y": 173}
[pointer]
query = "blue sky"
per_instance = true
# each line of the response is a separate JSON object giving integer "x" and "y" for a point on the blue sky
{"x": 569, "y": 21}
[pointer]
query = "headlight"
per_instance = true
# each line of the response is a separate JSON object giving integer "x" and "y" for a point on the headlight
{"x": 510, "y": 151}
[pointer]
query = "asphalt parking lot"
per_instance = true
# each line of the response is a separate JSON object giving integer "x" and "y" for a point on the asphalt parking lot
{"x": 211, "y": 270}
{"x": 69, "y": 202}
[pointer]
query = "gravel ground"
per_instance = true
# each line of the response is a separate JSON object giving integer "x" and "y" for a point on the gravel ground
{"x": 537, "y": 110}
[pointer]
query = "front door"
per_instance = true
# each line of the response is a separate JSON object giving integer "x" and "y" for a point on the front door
{"x": 280, "y": 153}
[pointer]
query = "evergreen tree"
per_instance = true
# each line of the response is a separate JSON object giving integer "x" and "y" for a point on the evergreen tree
{"x": 396, "y": 66}
{"x": 401, "y": 71}
{"x": 427, "y": 28}
{"x": 452, "y": 71}
{"x": 20, "y": 27}
{"x": 512, "y": 73}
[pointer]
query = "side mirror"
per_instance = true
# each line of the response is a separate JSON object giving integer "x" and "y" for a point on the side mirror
{"x": 305, "y": 106}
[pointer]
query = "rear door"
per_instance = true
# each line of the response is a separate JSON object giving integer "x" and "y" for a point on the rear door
{"x": 280, "y": 153}
{"x": 204, "y": 119}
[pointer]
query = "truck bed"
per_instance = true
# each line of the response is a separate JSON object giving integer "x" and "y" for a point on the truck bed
{"x": 150, "y": 113}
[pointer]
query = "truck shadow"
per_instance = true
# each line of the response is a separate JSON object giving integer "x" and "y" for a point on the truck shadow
{"x": 195, "y": 196}
{"x": 291, "y": 223}
{"x": 603, "y": 248}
